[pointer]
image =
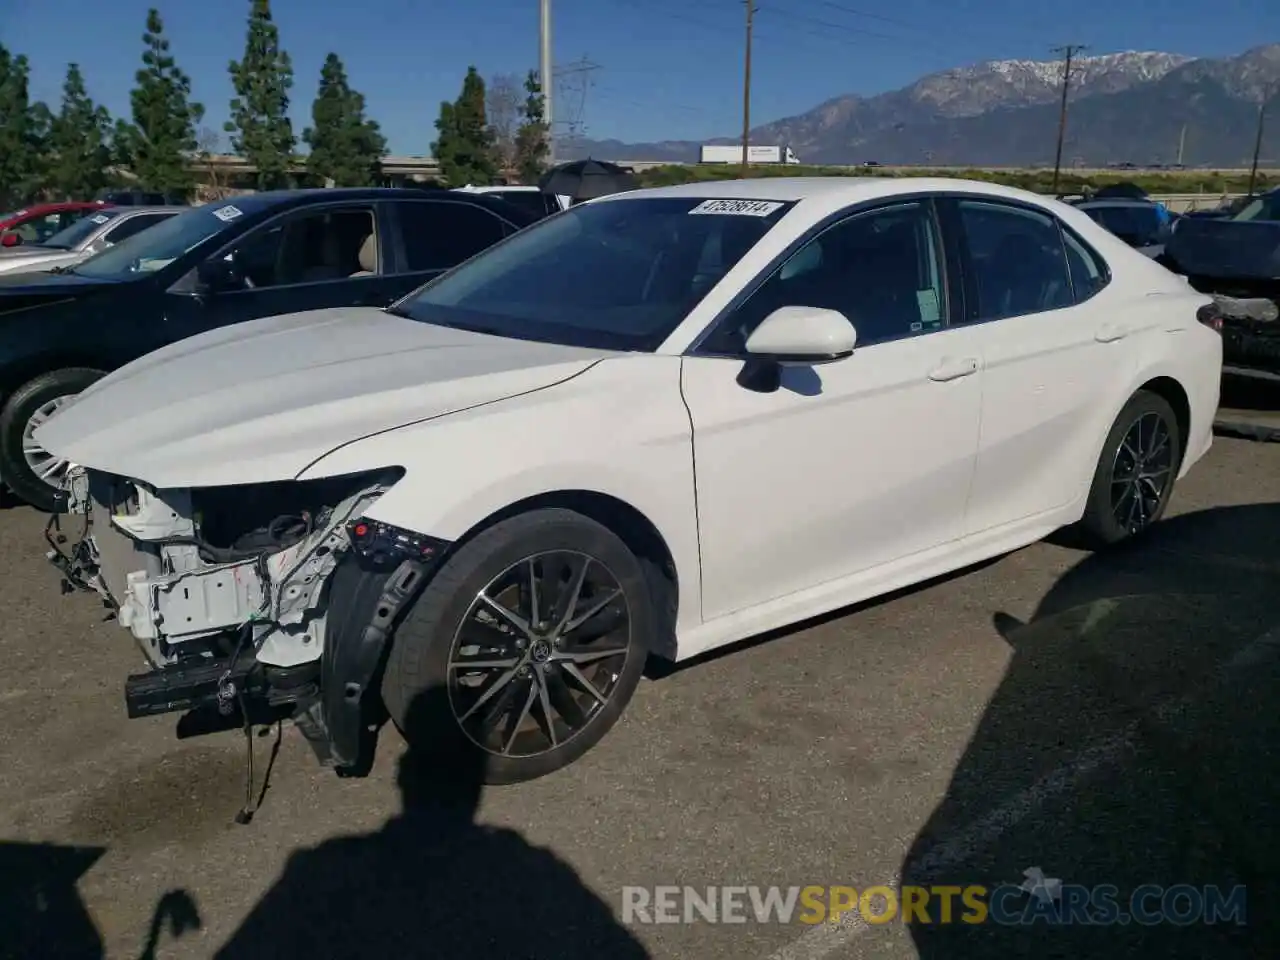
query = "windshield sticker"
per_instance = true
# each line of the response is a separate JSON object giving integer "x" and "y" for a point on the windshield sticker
{"x": 228, "y": 213}
{"x": 738, "y": 208}
{"x": 99, "y": 218}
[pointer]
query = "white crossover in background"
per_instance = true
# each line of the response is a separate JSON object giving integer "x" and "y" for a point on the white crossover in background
{"x": 652, "y": 425}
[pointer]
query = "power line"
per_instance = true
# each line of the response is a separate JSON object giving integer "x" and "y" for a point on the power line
{"x": 746, "y": 86}
{"x": 1068, "y": 52}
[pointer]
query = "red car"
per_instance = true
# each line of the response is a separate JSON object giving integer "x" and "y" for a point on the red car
{"x": 36, "y": 223}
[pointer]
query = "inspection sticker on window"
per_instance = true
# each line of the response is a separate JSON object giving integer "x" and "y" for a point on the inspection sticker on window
{"x": 99, "y": 218}
{"x": 930, "y": 312}
{"x": 739, "y": 208}
{"x": 228, "y": 213}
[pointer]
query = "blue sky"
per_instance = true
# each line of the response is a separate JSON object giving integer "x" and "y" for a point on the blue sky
{"x": 668, "y": 69}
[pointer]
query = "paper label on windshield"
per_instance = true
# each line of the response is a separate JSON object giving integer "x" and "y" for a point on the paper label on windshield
{"x": 738, "y": 208}
{"x": 228, "y": 213}
{"x": 930, "y": 313}
{"x": 99, "y": 218}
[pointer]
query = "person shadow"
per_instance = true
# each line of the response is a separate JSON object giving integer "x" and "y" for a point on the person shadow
{"x": 432, "y": 882}
{"x": 1132, "y": 744}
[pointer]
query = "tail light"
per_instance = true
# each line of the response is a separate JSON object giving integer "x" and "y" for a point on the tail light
{"x": 1211, "y": 316}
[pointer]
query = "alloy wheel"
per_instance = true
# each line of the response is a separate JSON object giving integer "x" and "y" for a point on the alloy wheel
{"x": 538, "y": 654}
{"x": 1141, "y": 472}
{"x": 43, "y": 464}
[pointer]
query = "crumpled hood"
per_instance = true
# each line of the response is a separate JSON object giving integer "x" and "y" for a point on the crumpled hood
{"x": 261, "y": 401}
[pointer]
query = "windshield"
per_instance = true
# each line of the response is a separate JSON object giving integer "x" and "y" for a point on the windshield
{"x": 1136, "y": 224}
{"x": 617, "y": 274}
{"x": 1261, "y": 208}
{"x": 158, "y": 246}
{"x": 82, "y": 229}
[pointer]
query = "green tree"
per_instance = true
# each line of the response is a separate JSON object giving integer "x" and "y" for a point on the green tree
{"x": 21, "y": 147}
{"x": 79, "y": 142}
{"x": 345, "y": 147}
{"x": 464, "y": 147}
{"x": 157, "y": 146}
{"x": 531, "y": 146}
{"x": 260, "y": 128}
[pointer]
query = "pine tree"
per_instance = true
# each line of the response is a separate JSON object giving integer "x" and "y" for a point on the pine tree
{"x": 260, "y": 128}
{"x": 531, "y": 147}
{"x": 345, "y": 147}
{"x": 158, "y": 144}
{"x": 21, "y": 147}
{"x": 464, "y": 149}
{"x": 79, "y": 142}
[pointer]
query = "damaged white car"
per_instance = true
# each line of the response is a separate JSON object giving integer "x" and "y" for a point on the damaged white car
{"x": 656, "y": 424}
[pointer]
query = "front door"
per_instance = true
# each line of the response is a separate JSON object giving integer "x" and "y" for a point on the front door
{"x": 308, "y": 260}
{"x": 848, "y": 465}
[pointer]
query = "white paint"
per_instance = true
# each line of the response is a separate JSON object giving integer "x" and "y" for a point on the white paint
{"x": 776, "y": 507}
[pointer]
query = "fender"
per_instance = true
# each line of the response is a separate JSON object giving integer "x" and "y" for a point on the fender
{"x": 619, "y": 429}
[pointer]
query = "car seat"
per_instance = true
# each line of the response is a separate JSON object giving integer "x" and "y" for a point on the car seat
{"x": 368, "y": 257}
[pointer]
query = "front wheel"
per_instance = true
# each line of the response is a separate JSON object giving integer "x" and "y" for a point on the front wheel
{"x": 31, "y": 472}
{"x": 523, "y": 651}
{"x": 1136, "y": 471}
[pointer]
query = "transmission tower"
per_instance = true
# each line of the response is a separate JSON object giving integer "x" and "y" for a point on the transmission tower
{"x": 572, "y": 81}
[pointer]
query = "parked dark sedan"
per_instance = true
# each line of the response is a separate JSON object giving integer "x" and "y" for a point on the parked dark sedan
{"x": 227, "y": 262}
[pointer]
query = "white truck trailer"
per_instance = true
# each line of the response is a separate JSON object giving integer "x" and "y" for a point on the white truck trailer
{"x": 722, "y": 153}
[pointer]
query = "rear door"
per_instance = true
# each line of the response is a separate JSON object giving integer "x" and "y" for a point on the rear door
{"x": 1052, "y": 355}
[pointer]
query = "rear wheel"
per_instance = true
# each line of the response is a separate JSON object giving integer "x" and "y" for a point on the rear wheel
{"x": 524, "y": 649}
{"x": 1136, "y": 471}
{"x": 30, "y": 471}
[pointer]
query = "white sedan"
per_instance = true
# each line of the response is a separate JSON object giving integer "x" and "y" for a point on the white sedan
{"x": 656, "y": 424}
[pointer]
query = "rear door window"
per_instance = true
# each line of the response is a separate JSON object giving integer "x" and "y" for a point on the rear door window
{"x": 129, "y": 227}
{"x": 438, "y": 234}
{"x": 1019, "y": 264}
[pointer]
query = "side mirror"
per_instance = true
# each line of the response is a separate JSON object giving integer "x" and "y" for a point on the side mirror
{"x": 803, "y": 336}
{"x": 798, "y": 337}
{"x": 10, "y": 239}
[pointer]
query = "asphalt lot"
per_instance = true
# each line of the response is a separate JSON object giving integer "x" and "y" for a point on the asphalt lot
{"x": 1109, "y": 719}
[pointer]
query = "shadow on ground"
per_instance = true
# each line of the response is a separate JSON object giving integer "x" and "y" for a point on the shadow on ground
{"x": 1133, "y": 741}
{"x": 42, "y": 915}
{"x": 432, "y": 883}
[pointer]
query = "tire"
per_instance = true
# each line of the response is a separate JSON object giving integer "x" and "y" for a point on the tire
{"x": 27, "y": 401}
{"x": 428, "y": 699}
{"x": 1112, "y": 512}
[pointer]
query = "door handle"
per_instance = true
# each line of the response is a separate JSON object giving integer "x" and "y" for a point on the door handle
{"x": 954, "y": 369}
{"x": 1110, "y": 333}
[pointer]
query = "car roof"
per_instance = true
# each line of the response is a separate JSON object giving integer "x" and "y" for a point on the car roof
{"x": 37, "y": 209}
{"x": 832, "y": 191}
{"x": 128, "y": 211}
{"x": 256, "y": 203}
{"x": 1117, "y": 202}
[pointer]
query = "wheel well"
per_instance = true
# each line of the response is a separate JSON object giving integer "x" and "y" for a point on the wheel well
{"x": 1171, "y": 392}
{"x": 634, "y": 529}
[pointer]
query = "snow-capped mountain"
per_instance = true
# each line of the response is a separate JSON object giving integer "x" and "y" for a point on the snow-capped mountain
{"x": 1005, "y": 112}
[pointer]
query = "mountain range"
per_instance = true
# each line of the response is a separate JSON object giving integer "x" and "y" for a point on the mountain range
{"x": 1136, "y": 107}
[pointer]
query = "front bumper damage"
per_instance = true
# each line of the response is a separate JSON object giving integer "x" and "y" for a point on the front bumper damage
{"x": 287, "y": 618}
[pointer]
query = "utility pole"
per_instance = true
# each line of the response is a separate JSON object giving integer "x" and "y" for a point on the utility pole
{"x": 546, "y": 69}
{"x": 1182, "y": 143}
{"x": 1068, "y": 52}
{"x": 1257, "y": 142}
{"x": 746, "y": 87}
